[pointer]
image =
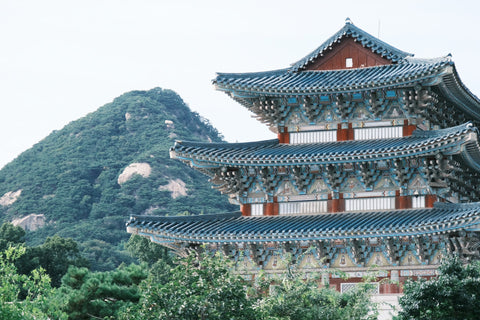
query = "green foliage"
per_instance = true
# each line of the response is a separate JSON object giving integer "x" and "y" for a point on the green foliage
{"x": 11, "y": 235}
{"x": 146, "y": 250}
{"x": 25, "y": 297}
{"x": 71, "y": 175}
{"x": 294, "y": 296}
{"x": 454, "y": 294}
{"x": 201, "y": 288}
{"x": 56, "y": 255}
{"x": 205, "y": 287}
{"x": 157, "y": 257}
{"x": 100, "y": 295}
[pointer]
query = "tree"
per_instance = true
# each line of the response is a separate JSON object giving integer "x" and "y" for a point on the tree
{"x": 454, "y": 294}
{"x": 55, "y": 255}
{"x": 147, "y": 251}
{"x": 295, "y": 297}
{"x": 25, "y": 297}
{"x": 11, "y": 235}
{"x": 100, "y": 295}
{"x": 200, "y": 287}
{"x": 158, "y": 258}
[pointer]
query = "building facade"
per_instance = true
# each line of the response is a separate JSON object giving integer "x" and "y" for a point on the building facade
{"x": 376, "y": 168}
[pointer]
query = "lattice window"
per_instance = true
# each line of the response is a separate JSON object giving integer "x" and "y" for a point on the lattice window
{"x": 257, "y": 209}
{"x": 345, "y": 287}
{"x": 418, "y": 202}
{"x": 361, "y": 204}
{"x": 302, "y": 207}
{"x": 378, "y": 133}
{"x": 313, "y": 136}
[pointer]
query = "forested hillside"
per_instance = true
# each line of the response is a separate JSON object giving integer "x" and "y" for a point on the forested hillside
{"x": 85, "y": 180}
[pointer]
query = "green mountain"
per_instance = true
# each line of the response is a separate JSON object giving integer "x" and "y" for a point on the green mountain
{"x": 85, "y": 180}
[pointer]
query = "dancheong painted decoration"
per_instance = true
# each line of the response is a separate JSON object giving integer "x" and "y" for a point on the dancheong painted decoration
{"x": 376, "y": 167}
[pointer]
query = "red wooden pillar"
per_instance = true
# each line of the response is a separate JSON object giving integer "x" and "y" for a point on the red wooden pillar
{"x": 246, "y": 209}
{"x": 271, "y": 208}
{"x": 402, "y": 202}
{"x": 408, "y": 128}
{"x": 430, "y": 199}
{"x": 344, "y": 134}
{"x": 283, "y": 135}
{"x": 336, "y": 205}
{"x": 350, "y": 132}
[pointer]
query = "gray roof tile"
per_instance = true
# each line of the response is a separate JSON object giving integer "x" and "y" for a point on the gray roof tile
{"x": 271, "y": 152}
{"x": 233, "y": 227}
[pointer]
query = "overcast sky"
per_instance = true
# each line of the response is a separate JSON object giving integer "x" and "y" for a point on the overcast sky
{"x": 60, "y": 60}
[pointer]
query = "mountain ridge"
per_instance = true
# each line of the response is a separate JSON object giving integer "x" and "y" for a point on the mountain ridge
{"x": 73, "y": 177}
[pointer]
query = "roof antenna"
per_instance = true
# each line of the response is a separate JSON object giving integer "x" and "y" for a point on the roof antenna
{"x": 378, "y": 36}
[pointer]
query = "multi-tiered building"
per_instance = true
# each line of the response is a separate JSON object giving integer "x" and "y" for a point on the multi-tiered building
{"x": 376, "y": 167}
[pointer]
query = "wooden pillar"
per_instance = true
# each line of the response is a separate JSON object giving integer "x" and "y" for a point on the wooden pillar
{"x": 275, "y": 206}
{"x": 408, "y": 128}
{"x": 271, "y": 208}
{"x": 350, "y": 132}
{"x": 284, "y": 137}
{"x": 345, "y": 134}
{"x": 342, "y": 134}
{"x": 246, "y": 209}
{"x": 336, "y": 205}
{"x": 402, "y": 202}
{"x": 430, "y": 199}
{"x": 268, "y": 209}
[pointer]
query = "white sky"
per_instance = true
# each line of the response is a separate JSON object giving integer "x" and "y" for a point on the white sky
{"x": 60, "y": 60}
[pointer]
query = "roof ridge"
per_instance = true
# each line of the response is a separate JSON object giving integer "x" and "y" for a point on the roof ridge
{"x": 225, "y": 144}
{"x": 437, "y": 60}
{"x": 252, "y": 74}
{"x": 214, "y": 216}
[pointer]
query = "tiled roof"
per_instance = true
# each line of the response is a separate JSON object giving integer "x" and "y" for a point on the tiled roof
{"x": 366, "y": 39}
{"x": 228, "y": 228}
{"x": 405, "y": 71}
{"x": 271, "y": 152}
{"x": 409, "y": 71}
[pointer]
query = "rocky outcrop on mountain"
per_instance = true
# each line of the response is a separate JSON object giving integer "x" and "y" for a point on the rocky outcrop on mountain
{"x": 31, "y": 222}
{"x": 142, "y": 169}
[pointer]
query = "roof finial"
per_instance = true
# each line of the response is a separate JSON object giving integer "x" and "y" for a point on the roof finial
{"x": 348, "y": 21}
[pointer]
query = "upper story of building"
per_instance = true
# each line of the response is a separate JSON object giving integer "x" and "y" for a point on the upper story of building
{"x": 354, "y": 87}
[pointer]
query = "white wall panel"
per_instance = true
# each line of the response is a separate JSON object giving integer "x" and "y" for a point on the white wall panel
{"x": 378, "y": 133}
{"x": 418, "y": 202}
{"x": 313, "y": 136}
{"x": 364, "y": 204}
{"x": 302, "y": 207}
{"x": 257, "y": 209}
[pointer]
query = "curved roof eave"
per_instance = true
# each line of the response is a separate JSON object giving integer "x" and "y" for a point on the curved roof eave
{"x": 470, "y": 152}
{"x": 282, "y": 82}
{"x": 453, "y": 88}
{"x": 462, "y": 139}
{"x": 443, "y": 218}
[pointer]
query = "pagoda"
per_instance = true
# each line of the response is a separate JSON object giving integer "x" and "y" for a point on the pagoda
{"x": 376, "y": 167}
